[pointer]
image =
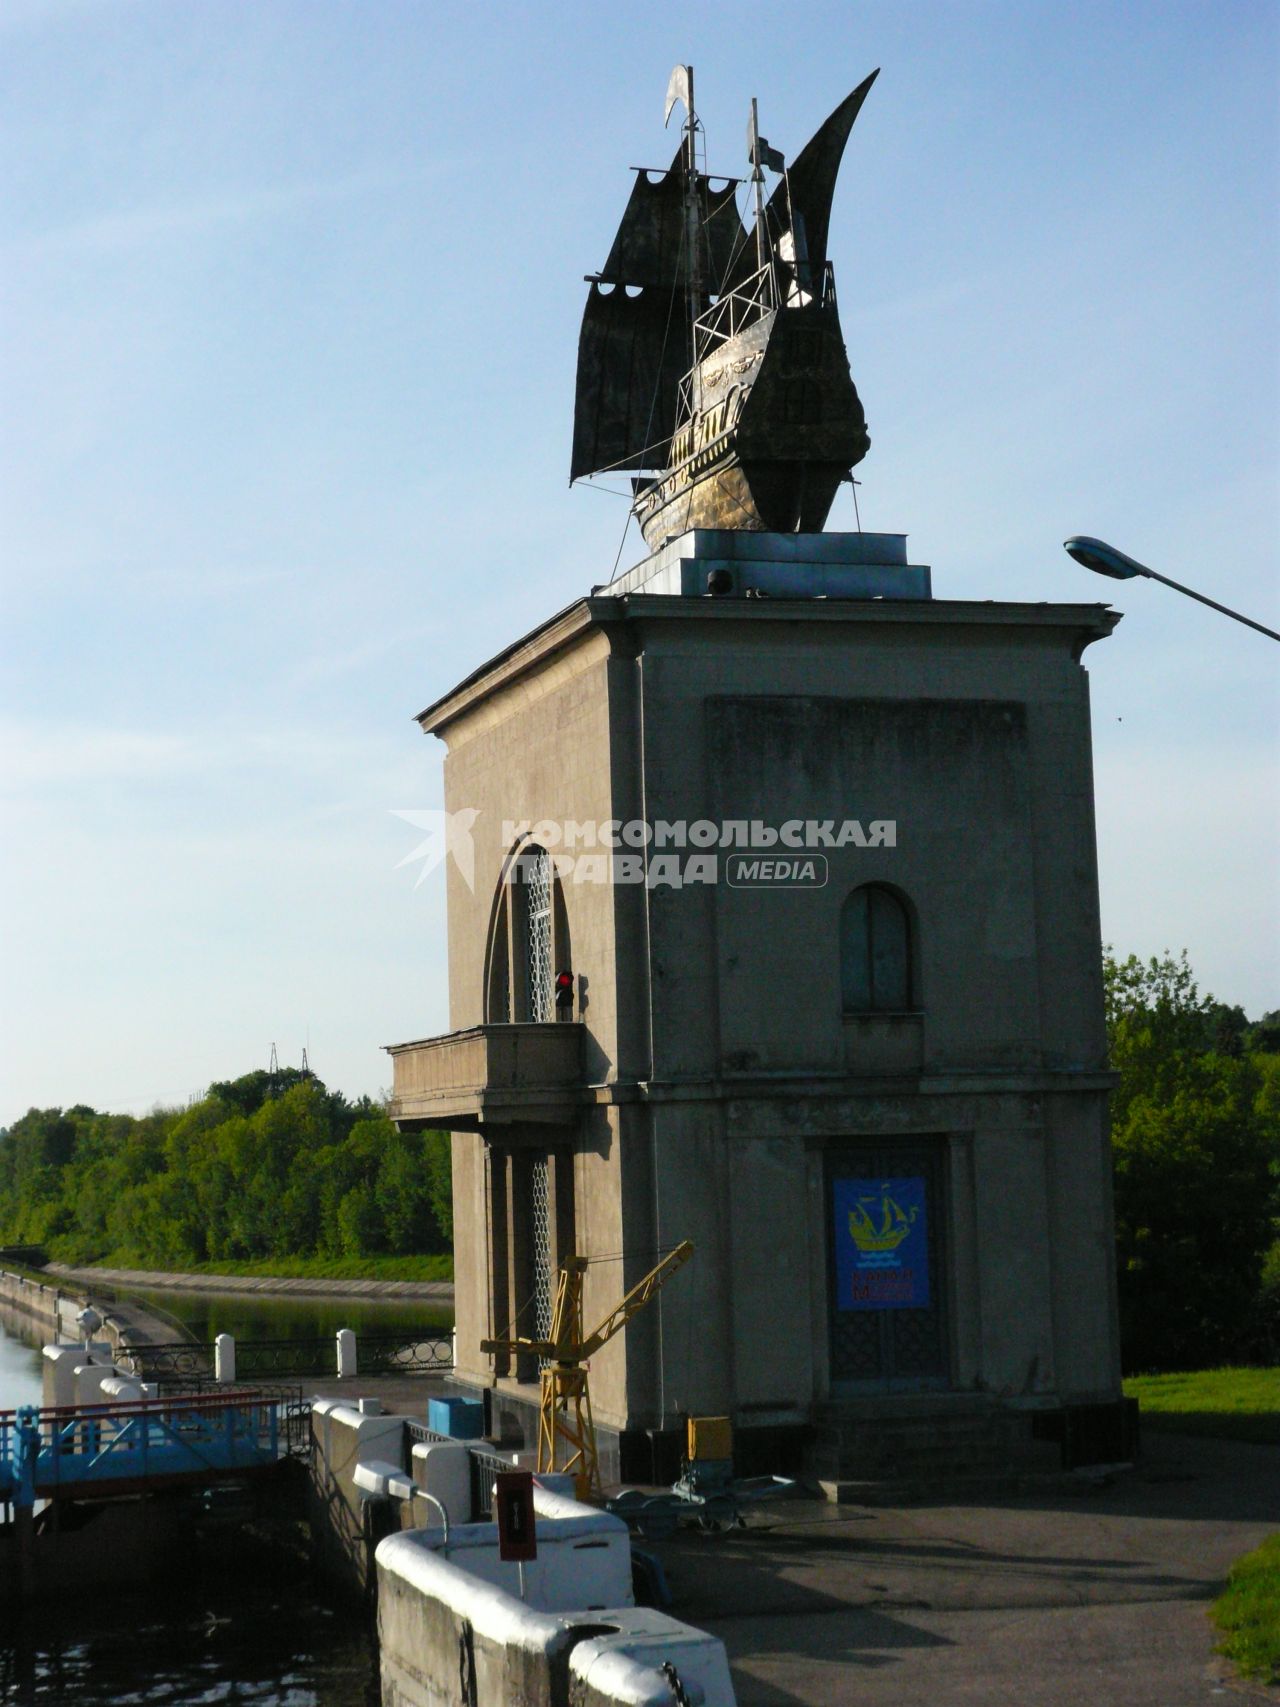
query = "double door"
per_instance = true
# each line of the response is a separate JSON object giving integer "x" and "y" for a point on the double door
{"x": 886, "y": 1224}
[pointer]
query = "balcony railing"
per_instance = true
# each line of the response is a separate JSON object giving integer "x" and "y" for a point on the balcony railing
{"x": 492, "y": 1074}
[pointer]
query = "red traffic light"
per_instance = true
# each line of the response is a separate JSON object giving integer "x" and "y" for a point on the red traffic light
{"x": 564, "y": 989}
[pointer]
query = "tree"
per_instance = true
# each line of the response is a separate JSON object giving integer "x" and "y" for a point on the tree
{"x": 438, "y": 1147}
{"x": 1195, "y": 1139}
{"x": 263, "y": 1166}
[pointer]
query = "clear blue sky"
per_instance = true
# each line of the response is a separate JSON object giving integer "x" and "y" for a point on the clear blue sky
{"x": 291, "y": 298}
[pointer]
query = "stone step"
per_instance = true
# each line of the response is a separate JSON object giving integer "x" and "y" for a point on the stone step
{"x": 926, "y": 1445}
{"x": 964, "y": 1488}
{"x": 931, "y": 1441}
{"x": 905, "y": 1465}
{"x": 899, "y": 1406}
{"x": 986, "y": 1429}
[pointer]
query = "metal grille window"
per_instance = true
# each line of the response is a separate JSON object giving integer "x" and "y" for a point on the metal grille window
{"x": 540, "y": 1245}
{"x": 537, "y": 914}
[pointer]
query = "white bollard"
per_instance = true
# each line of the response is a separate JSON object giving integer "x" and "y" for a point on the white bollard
{"x": 224, "y": 1358}
{"x": 346, "y": 1353}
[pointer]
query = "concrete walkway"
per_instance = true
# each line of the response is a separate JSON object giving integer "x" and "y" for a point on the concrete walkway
{"x": 1089, "y": 1597}
{"x": 1090, "y": 1594}
{"x": 418, "y": 1291}
{"x": 138, "y": 1325}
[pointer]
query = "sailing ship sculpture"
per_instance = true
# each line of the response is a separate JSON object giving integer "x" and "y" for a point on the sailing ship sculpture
{"x": 711, "y": 359}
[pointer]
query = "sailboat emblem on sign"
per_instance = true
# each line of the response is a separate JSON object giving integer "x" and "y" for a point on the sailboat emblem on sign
{"x": 877, "y": 1226}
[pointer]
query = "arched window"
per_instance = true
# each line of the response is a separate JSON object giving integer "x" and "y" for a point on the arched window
{"x": 528, "y": 942}
{"x": 875, "y": 952}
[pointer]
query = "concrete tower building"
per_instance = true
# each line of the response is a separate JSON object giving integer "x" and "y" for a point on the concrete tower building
{"x": 817, "y": 850}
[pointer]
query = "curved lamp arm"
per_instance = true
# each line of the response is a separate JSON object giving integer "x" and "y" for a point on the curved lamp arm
{"x": 1104, "y": 559}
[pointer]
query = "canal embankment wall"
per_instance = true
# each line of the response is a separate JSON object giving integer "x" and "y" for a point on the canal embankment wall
{"x": 46, "y": 1312}
{"x": 37, "y": 1310}
{"x": 435, "y": 1292}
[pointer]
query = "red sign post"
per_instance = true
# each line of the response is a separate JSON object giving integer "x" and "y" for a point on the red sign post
{"x": 513, "y": 1504}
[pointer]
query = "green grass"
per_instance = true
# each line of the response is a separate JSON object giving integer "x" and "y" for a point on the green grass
{"x": 1235, "y": 1404}
{"x": 439, "y": 1267}
{"x": 1248, "y": 1613}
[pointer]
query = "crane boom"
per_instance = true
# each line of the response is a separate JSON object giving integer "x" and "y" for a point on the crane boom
{"x": 636, "y": 1299}
{"x": 566, "y": 1428}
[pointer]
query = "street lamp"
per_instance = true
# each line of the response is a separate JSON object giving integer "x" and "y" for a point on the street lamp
{"x": 1104, "y": 559}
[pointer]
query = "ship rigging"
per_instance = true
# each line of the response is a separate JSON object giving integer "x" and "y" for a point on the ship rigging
{"x": 711, "y": 361}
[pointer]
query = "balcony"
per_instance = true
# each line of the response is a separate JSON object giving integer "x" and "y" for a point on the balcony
{"x": 491, "y": 1075}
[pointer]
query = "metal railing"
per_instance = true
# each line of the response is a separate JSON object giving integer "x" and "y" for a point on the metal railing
{"x": 177, "y": 1360}
{"x": 776, "y": 282}
{"x": 485, "y": 1464}
{"x": 484, "y": 1467}
{"x": 44, "y": 1450}
{"x": 393, "y": 1354}
{"x": 377, "y": 1354}
{"x": 734, "y": 310}
{"x": 421, "y": 1433}
{"x": 295, "y": 1419}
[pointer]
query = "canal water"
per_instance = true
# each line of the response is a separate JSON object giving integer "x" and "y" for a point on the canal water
{"x": 270, "y": 1642}
{"x": 262, "y": 1633}
{"x": 20, "y": 1379}
{"x": 251, "y": 1316}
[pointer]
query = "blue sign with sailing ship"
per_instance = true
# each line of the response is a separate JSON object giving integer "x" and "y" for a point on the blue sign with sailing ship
{"x": 881, "y": 1244}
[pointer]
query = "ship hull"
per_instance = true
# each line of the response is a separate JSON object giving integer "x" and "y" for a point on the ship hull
{"x": 776, "y": 428}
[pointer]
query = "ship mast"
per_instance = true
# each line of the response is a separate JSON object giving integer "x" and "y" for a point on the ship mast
{"x": 680, "y": 88}
{"x": 757, "y": 180}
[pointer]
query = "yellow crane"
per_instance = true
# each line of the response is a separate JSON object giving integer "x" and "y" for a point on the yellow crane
{"x": 566, "y": 1430}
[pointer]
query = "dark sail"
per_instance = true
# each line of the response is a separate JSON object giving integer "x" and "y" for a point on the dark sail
{"x": 634, "y": 348}
{"x": 768, "y": 422}
{"x": 632, "y": 354}
{"x": 812, "y": 182}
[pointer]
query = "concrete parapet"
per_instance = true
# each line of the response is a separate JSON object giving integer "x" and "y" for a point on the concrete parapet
{"x": 74, "y": 1376}
{"x": 32, "y": 1301}
{"x": 355, "y": 1436}
{"x": 625, "y": 1667}
{"x": 583, "y": 1562}
{"x": 444, "y": 1470}
{"x": 445, "y": 1634}
{"x": 122, "y": 1388}
{"x": 347, "y": 1527}
{"x": 89, "y": 1377}
{"x": 562, "y": 1629}
{"x": 59, "y": 1373}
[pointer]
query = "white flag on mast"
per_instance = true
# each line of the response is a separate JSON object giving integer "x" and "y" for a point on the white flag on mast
{"x": 679, "y": 88}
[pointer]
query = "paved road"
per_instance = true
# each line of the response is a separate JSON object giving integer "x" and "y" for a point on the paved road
{"x": 422, "y": 1291}
{"x": 1093, "y": 1597}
